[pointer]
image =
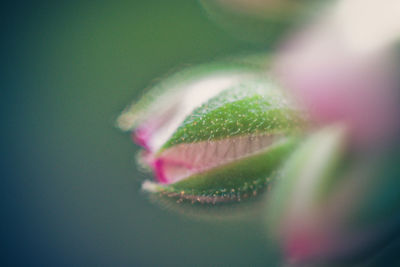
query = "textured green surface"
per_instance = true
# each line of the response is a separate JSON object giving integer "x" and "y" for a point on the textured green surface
{"x": 234, "y": 181}
{"x": 252, "y": 106}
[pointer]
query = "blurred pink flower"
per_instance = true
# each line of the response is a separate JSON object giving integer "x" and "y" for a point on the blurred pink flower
{"x": 344, "y": 70}
{"x": 341, "y": 80}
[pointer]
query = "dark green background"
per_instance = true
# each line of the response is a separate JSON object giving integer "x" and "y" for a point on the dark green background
{"x": 70, "y": 191}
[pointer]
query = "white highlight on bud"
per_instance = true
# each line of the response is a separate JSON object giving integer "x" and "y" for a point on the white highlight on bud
{"x": 150, "y": 186}
{"x": 193, "y": 96}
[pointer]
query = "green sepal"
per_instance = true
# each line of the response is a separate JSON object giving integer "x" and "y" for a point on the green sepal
{"x": 253, "y": 106}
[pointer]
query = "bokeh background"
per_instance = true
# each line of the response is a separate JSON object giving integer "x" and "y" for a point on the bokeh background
{"x": 70, "y": 190}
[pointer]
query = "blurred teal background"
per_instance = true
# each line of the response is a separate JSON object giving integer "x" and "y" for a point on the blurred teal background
{"x": 71, "y": 190}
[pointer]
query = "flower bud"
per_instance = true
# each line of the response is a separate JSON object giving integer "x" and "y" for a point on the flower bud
{"x": 213, "y": 135}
